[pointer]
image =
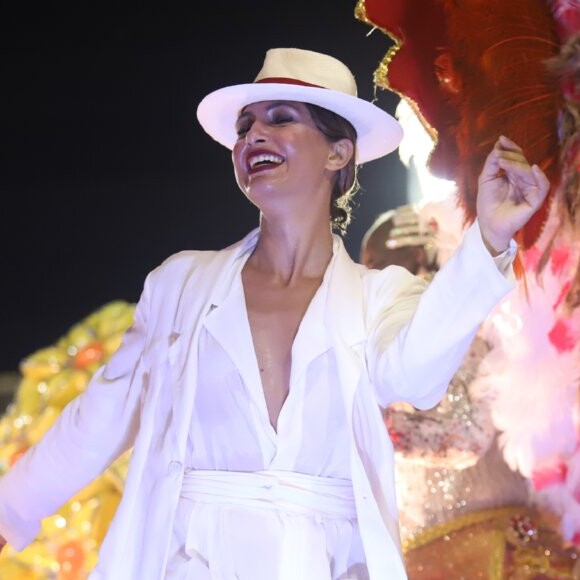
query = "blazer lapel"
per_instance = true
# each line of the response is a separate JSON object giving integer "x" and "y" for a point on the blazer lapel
{"x": 344, "y": 313}
{"x": 206, "y": 286}
{"x": 229, "y": 325}
{"x": 345, "y": 318}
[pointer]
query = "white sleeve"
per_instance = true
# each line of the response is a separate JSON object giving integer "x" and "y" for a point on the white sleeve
{"x": 92, "y": 431}
{"x": 457, "y": 432}
{"x": 418, "y": 340}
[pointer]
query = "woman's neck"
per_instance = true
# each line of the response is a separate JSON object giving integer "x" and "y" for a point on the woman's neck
{"x": 292, "y": 252}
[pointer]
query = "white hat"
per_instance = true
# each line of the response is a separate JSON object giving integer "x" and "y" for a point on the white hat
{"x": 292, "y": 74}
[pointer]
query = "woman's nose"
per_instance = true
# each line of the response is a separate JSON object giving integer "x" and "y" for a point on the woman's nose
{"x": 257, "y": 133}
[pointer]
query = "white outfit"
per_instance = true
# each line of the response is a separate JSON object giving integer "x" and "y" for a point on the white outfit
{"x": 379, "y": 337}
{"x": 231, "y": 432}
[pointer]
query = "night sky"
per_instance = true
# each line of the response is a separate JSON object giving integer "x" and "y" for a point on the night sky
{"x": 104, "y": 170}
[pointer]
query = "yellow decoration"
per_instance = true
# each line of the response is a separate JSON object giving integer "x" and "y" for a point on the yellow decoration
{"x": 80, "y": 335}
{"x": 65, "y": 386}
{"x": 67, "y": 546}
{"x": 29, "y": 400}
{"x": 44, "y": 363}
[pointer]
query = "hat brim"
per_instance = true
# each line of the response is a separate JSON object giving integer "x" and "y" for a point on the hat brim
{"x": 378, "y": 132}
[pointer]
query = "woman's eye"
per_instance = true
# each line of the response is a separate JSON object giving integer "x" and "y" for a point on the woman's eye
{"x": 281, "y": 119}
{"x": 241, "y": 130}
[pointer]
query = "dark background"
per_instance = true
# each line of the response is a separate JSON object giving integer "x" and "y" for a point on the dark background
{"x": 104, "y": 170}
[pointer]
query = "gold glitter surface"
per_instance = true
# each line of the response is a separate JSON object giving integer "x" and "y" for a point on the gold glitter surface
{"x": 481, "y": 545}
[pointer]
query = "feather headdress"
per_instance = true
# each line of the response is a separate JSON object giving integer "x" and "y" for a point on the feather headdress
{"x": 476, "y": 69}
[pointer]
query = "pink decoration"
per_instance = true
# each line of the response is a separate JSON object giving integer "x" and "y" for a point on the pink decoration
{"x": 531, "y": 259}
{"x": 559, "y": 259}
{"x": 562, "y": 336}
{"x": 562, "y": 296}
{"x": 548, "y": 476}
{"x": 567, "y": 15}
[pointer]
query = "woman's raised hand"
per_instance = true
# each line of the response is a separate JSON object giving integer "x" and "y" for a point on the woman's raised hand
{"x": 510, "y": 192}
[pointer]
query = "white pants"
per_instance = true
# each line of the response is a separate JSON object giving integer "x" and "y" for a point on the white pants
{"x": 269, "y": 525}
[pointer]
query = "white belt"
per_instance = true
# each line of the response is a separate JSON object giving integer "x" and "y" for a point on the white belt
{"x": 303, "y": 556}
{"x": 277, "y": 490}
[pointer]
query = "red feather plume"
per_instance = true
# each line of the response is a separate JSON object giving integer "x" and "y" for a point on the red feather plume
{"x": 475, "y": 70}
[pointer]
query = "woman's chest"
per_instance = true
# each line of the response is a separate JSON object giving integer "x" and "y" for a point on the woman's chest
{"x": 231, "y": 429}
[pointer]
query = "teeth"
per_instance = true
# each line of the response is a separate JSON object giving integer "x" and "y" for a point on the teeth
{"x": 265, "y": 158}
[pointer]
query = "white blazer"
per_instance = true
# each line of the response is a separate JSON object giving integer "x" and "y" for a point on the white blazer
{"x": 393, "y": 340}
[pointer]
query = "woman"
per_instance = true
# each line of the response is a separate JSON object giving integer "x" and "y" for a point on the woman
{"x": 284, "y": 472}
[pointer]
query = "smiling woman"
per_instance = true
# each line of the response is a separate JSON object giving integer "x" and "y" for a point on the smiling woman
{"x": 300, "y": 127}
{"x": 250, "y": 383}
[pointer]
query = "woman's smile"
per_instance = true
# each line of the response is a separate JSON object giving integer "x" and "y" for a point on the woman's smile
{"x": 261, "y": 160}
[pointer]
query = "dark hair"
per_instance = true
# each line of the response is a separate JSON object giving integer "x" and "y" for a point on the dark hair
{"x": 335, "y": 127}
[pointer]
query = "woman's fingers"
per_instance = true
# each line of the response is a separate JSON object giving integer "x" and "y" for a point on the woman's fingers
{"x": 529, "y": 183}
{"x": 541, "y": 178}
{"x": 507, "y": 144}
{"x": 543, "y": 186}
{"x": 510, "y": 192}
{"x": 504, "y": 150}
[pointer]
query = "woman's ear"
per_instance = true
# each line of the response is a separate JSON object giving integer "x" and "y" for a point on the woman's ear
{"x": 341, "y": 153}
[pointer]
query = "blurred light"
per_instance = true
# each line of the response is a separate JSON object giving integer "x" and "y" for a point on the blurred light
{"x": 414, "y": 152}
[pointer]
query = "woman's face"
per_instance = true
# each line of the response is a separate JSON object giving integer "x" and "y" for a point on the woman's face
{"x": 280, "y": 154}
